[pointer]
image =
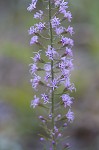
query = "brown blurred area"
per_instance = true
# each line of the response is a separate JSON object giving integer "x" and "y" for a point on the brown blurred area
{"x": 18, "y": 122}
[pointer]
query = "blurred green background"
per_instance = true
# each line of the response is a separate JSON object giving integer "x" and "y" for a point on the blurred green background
{"x": 19, "y": 125}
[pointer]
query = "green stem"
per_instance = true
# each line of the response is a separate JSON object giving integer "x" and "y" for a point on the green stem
{"x": 52, "y": 73}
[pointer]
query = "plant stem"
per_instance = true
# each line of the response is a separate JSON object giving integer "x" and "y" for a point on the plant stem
{"x": 52, "y": 73}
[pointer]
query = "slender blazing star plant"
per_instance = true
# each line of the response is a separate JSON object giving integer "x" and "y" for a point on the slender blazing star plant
{"x": 51, "y": 68}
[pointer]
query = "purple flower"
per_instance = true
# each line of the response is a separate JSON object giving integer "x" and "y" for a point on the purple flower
{"x": 67, "y": 41}
{"x": 47, "y": 76}
{"x": 70, "y": 42}
{"x": 36, "y": 28}
{"x": 65, "y": 125}
{"x": 35, "y": 101}
{"x": 33, "y": 68}
{"x": 64, "y": 40}
{"x": 35, "y": 81}
{"x": 59, "y": 135}
{"x": 51, "y": 52}
{"x": 69, "y": 52}
{"x": 55, "y": 129}
{"x": 62, "y": 65}
{"x": 67, "y": 100}
{"x": 70, "y": 116}
{"x": 58, "y": 2}
{"x": 68, "y": 85}
{"x": 55, "y": 22}
{"x": 32, "y": 6}
{"x": 69, "y": 64}
{"x": 34, "y": 40}
{"x": 42, "y": 119}
{"x": 32, "y": 30}
{"x": 59, "y": 116}
{"x": 68, "y": 15}
{"x": 65, "y": 74}
{"x": 63, "y": 7}
{"x": 47, "y": 67}
{"x": 66, "y": 63}
{"x": 38, "y": 15}
{"x": 70, "y": 30}
{"x": 36, "y": 57}
{"x": 45, "y": 98}
{"x": 54, "y": 83}
{"x": 59, "y": 30}
{"x": 41, "y": 139}
{"x": 40, "y": 26}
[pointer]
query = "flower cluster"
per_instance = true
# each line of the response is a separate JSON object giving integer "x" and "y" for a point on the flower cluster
{"x": 52, "y": 65}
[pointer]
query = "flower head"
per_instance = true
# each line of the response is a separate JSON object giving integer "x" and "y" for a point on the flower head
{"x": 70, "y": 116}
{"x": 70, "y": 30}
{"x": 54, "y": 83}
{"x": 69, "y": 52}
{"x": 40, "y": 26}
{"x": 51, "y": 53}
{"x": 34, "y": 40}
{"x": 58, "y": 2}
{"x": 55, "y": 22}
{"x": 63, "y": 7}
{"x": 32, "y": 30}
{"x": 42, "y": 139}
{"x": 59, "y": 30}
{"x": 47, "y": 67}
{"x": 35, "y": 81}
{"x": 47, "y": 76}
{"x": 67, "y": 41}
{"x": 35, "y": 101}
{"x": 36, "y": 57}
{"x": 33, "y": 68}
{"x": 38, "y": 15}
{"x": 45, "y": 98}
{"x": 67, "y": 100}
{"x": 69, "y": 86}
{"x": 68, "y": 15}
{"x": 32, "y": 6}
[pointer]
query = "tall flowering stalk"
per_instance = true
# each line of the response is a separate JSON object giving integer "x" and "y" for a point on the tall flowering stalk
{"x": 51, "y": 68}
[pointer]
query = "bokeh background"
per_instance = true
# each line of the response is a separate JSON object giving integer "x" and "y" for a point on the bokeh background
{"x": 19, "y": 124}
